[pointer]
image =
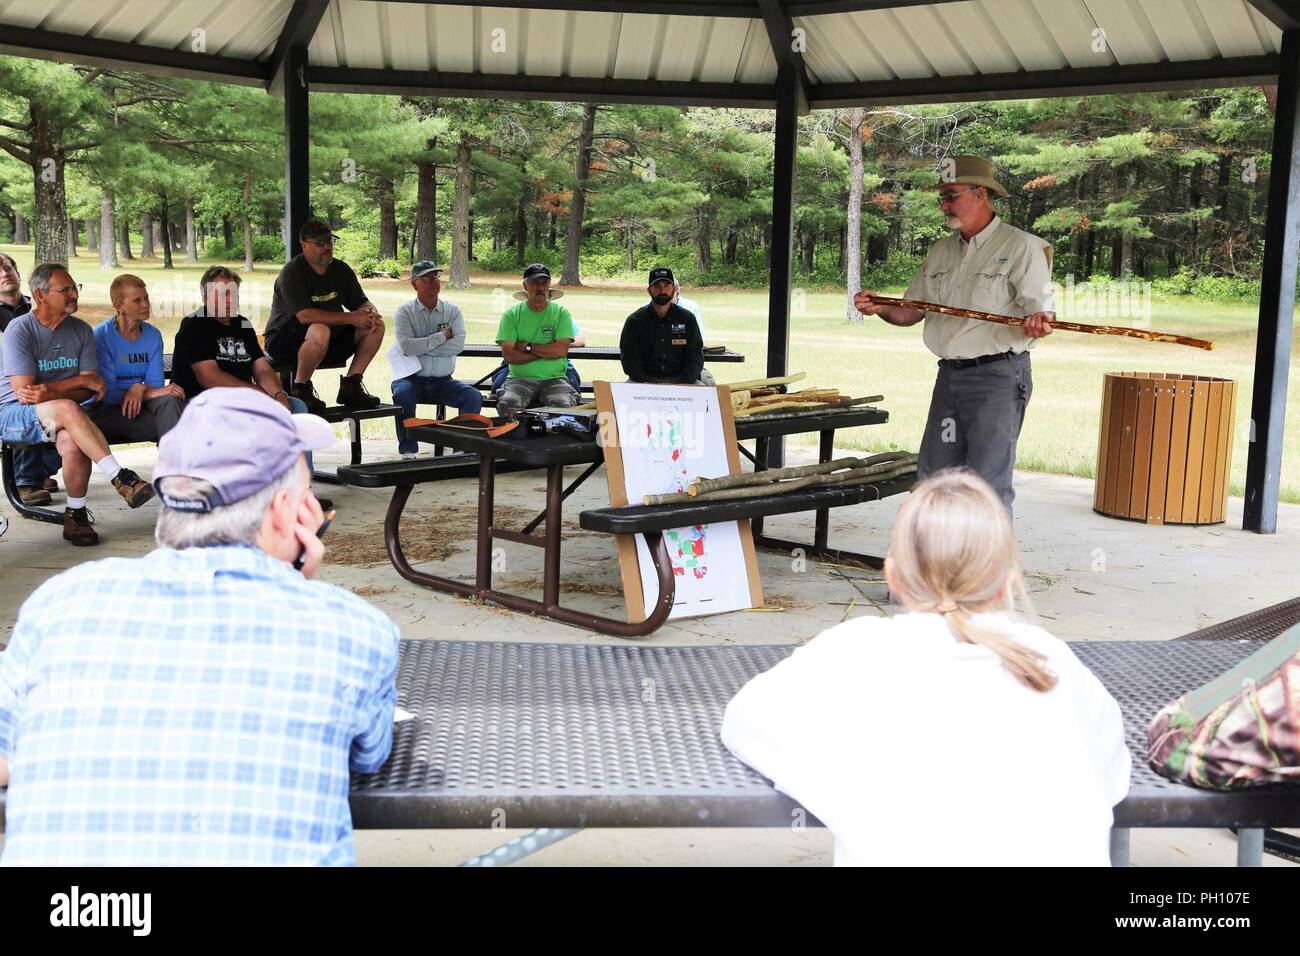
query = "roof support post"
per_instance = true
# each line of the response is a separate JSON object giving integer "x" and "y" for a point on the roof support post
{"x": 781, "y": 272}
{"x": 1277, "y": 300}
{"x": 297, "y": 169}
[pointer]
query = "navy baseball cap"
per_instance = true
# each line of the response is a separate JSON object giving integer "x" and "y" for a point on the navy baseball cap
{"x": 423, "y": 268}
{"x": 237, "y": 439}
{"x": 661, "y": 274}
{"x": 535, "y": 270}
{"x": 317, "y": 229}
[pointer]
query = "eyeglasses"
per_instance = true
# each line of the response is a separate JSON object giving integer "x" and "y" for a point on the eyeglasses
{"x": 949, "y": 197}
{"x": 77, "y": 287}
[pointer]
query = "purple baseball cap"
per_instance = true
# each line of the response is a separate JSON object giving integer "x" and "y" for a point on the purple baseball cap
{"x": 237, "y": 439}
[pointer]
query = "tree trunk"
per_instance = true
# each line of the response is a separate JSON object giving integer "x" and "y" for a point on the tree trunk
{"x": 853, "y": 224}
{"x": 521, "y": 230}
{"x": 227, "y": 232}
{"x": 91, "y": 244}
{"x": 578, "y": 207}
{"x": 1089, "y": 255}
{"x": 460, "y": 218}
{"x": 471, "y": 239}
{"x": 877, "y": 251}
{"x": 72, "y": 239}
{"x": 426, "y": 209}
{"x": 191, "y": 245}
{"x": 704, "y": 245}
{"x": 551, "y": 239}
{"x": 631, "y": 250}
{"x": 157, "y": 232}
{"x": 729, "y": 252}
{"x": 387, "y": 220}
{"x": 248, "y": 225}
{"x": 146, "y": 236}
{"x": 51, "y": 196}
{"x": 654, "y": 243}
{"x": 165, "y": 225}
{"x": 124, "y": 239}
{"x": 107, "y": 230}
{"x": 20, "y": 229}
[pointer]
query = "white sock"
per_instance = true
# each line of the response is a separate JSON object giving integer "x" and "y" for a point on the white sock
{"x": 408, "y": 455}
{"x": 109, "y": 466}
{"x": 75, "y": 503}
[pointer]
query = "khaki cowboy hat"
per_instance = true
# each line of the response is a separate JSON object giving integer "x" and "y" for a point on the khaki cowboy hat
{"x": 968, "y": 171}
{"x": 552, "y": 294}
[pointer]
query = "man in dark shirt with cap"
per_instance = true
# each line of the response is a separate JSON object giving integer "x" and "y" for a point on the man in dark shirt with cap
{"x": 320, "y": 316}
{"x": 661, "y": 341}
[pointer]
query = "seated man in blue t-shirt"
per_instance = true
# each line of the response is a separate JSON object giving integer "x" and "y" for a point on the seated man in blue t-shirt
{"x": 137, "y": 405}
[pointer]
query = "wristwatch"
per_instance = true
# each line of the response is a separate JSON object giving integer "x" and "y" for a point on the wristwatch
{"x": 528, "y": 347}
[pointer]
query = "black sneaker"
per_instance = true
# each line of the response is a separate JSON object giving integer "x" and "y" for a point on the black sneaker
{"x": 134, "y": 490}
{"x": 307, "y": 395}
{"x": 353, "y": 394}
{"x": 77, "y": 527}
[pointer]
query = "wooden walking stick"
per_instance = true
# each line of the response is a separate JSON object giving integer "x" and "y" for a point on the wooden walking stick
{"x": 1120, "y": 330}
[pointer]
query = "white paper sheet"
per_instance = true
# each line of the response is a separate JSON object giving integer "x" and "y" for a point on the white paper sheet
{"x": 670, "y": 435}
{"x": 401, "y": 364}
{"x": 400, "y": 715}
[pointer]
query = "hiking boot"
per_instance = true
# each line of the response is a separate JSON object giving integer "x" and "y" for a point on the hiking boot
{"x": 353, "y": 394}
{"x": 307, "y": 395}
{"x": 50, "y": 485}
{"x": 134, "y": 490}
{"x": 77, "y": 527}
{"x": 31, "y": 495}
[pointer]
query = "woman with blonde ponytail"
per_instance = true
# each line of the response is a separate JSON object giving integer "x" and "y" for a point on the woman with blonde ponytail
{"x": 953, "y": 733}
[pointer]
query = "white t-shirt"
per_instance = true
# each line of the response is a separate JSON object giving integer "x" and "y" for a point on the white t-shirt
{"x": 693, "y": 307}
{"x": 919, "y": 750}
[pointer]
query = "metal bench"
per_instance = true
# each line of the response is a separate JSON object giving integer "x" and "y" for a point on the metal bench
{"x": 569, "y": 736}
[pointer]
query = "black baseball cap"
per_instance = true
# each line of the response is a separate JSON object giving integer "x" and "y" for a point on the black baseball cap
{"x": 317, "y": 229}
{"x": 535, "y": 270}
{"x": 660, "y": 274}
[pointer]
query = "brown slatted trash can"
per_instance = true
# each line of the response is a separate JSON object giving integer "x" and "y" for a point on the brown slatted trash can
{"x": 1165, "y": 449}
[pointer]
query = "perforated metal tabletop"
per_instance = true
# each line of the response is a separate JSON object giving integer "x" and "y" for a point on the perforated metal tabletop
{"x": 546, "y": 735}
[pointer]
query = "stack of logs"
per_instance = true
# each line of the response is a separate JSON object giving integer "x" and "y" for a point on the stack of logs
{"x": 762, "y": 396}
{"x": 774, "y": 481}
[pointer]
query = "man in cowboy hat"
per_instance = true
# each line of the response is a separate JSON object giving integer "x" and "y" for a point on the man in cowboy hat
{"x": 984, "y": 381}
{"x": 535, "y": 336}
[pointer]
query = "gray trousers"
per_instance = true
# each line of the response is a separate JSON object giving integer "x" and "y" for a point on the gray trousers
{"x": 157, "y": 417}
{"x": 975, "y": 418}
{"x": 519, "y": 393}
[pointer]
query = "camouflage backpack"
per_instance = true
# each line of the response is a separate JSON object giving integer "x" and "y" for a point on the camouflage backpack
{"x": 1240, "y": 730}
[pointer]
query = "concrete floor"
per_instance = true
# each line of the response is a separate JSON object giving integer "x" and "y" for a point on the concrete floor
{"x": 1090, "y": 577}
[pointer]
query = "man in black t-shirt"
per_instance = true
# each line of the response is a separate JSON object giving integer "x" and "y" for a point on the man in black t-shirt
{"x": 320, "y": 315}
{"x": 216, "y": 347}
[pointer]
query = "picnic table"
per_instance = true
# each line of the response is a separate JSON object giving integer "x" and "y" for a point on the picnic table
{"x": 513, "y": 451}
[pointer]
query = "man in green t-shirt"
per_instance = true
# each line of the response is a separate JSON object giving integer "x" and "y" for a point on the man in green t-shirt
{"x": 535, "y": 336}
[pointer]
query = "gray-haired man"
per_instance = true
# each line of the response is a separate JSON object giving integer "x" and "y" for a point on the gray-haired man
{"x": 984, "y": 380}
{"x": 226, "y": 696}
{"x": 49, "y": 367}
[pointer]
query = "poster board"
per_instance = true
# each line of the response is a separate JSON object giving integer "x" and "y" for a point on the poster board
{"x": 658, "y": 438}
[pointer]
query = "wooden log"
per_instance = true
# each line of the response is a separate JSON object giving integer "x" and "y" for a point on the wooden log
{"x": 888, "y": 469}
{"x": 803, "y": 407}
{"x": 1120, "y": 330}
{"x": 756, "y": 382}
{"x": 766, "y": 476}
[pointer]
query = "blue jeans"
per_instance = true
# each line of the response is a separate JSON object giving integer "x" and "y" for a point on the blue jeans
{"x": 423, "y": 389}
{"x": 571, "y": 373}
{"x": 34, "y": 463}
{"x": 298, "y": 407}
{"x": 34, "y": 458}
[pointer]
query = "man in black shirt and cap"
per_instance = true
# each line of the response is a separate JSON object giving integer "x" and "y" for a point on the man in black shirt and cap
{"x": 320, "y": 316}
{"x": 661, "y": 341}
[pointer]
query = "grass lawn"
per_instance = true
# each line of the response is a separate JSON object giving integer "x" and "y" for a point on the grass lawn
{"x": 1060, "y": 433}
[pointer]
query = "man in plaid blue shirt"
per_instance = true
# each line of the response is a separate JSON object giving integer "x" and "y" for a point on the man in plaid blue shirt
{"x": 204, "y": 704}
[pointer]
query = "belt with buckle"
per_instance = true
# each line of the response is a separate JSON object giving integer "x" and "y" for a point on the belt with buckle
{"x": 979, "y": 360}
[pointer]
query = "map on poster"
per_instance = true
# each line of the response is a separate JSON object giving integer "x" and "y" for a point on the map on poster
{"x": 670, "y": 435}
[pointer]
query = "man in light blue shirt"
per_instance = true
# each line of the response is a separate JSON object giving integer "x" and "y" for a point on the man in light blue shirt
{"x": 202, "y": 705}
{"x": 434, "y": 332}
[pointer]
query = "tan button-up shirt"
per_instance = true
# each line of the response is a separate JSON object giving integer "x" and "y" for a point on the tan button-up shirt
{"x": 1001, "y": 269}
